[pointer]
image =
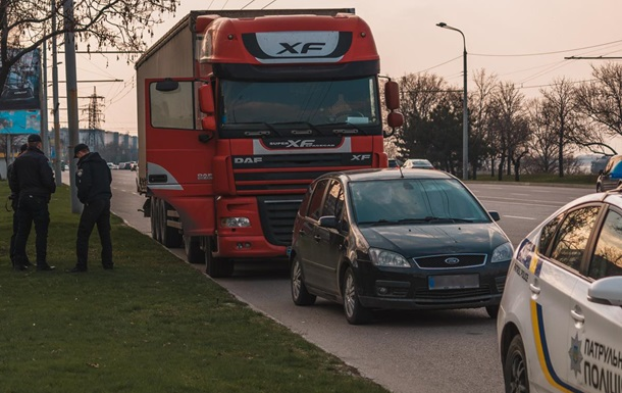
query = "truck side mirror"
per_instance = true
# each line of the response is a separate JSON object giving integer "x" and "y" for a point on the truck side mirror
{"x": 167, "y": 85}
{"x": 392, "y": 95}
{"x": 206, "y": 105}
{"x": 395, "y": 119}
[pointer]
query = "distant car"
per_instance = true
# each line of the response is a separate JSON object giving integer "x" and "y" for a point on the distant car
{"x": 394, "y": 163}
{"x": 113, "y": 166}
{"x": 381, "y": 239}
{"x": 610, "y": 177}
{"x": 419, "y": 163}
{"x": 559, "y": 327}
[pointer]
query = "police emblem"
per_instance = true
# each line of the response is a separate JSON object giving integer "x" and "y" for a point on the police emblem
{"x": 575, "y": 355}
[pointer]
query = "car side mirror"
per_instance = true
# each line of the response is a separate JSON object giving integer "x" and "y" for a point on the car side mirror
{"x": 495, "y": 215}
{"x": 328, "y": 222}
{"x": 606, "y": 291}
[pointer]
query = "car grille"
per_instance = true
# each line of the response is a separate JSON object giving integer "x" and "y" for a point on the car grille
{"x": 451, "y": 295}
{"x": 277, "y": 216}
{"x": 438, "y": 261}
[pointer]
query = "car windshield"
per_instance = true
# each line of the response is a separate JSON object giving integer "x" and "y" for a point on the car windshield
{"x": 313, "y": 103}
{"x": 414, "y": 201}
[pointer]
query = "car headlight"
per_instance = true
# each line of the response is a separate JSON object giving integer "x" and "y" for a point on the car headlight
{"x": 387, "y": 258}
{"x": 502, "y": 253}
{"x": 235, "y": 222}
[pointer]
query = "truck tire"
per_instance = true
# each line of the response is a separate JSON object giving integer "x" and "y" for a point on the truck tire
{"x": 171, "y": 237}
{"x": 216, "y": 267}
{"x": 194, "y": 254}
{"x": 156, "y": 218}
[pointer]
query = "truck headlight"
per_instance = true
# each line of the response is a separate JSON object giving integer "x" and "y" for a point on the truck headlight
{"x": 235, "y": 222}
{"x": 387, "y": 258}
{"x": 502, "y": 253}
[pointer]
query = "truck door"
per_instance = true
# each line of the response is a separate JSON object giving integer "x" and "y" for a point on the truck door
{"x": 178, "y": 154}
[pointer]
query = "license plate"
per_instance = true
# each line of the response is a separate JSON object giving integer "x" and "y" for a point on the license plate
{"x": 458, "y": 281}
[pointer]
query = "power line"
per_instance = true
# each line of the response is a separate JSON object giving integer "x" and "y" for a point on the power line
{"x": 249, "y": 3}
{"x": 268, "y": 4}
{"x": 438, "y": 65}
{"x": 544, "y": 53}
{"x": 210, "y": 5}
{"x": 223, "y": 6}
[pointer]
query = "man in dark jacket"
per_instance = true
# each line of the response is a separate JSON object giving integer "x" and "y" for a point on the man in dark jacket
{"x": 33, "y": 180}
{"x": 93, "y": 180}
{"x": 14, "y": 197}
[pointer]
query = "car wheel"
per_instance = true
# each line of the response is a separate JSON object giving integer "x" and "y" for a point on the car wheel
{"x": 300, "y": 295}
{"x": 515, "y": 368}
{"x": 492, "y": 311}
{"x": 356, "y": 314}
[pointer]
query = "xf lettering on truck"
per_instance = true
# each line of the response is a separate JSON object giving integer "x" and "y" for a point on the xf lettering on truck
{"x": 361, "y": 157}
{"x": 309, "y": 46}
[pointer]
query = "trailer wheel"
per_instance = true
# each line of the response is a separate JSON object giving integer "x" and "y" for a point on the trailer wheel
{"x": 171, "y": 237}
{"x": 192, "y": 245}
{"x": 216, "y": 267}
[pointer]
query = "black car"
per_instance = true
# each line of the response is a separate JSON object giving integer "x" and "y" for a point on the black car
{"x": 385, "y": 239}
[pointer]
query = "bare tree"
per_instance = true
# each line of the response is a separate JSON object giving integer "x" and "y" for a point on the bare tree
{"x": 564, "y": 119}
{"x": 601, "y": 101}
{"x": 479, "y": 108}
{"x": 543, "y": 144}
{"x": 120, "y": 24}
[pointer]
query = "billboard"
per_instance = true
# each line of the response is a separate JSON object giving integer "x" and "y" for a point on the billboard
{"x": 20, "y": 104}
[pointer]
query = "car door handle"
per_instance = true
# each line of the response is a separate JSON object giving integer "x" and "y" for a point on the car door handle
{"x": 534, "y": 289}
{"x": 577, "y": 316}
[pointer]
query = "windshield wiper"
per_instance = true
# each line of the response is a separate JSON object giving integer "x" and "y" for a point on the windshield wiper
{"x": 379, "y": 222}
{"x": 348, "y": 128}
{"x": 448, "y": 219}
{"x": 310, "y": 126}
{"x": 261, "y": 133}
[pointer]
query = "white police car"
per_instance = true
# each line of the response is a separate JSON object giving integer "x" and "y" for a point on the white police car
{"x": 559, "y": 326}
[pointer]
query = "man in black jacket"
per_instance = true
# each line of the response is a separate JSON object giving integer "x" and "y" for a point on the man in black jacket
{"x": 33, "y": 180}
{"x": 14, "y": 197}
{"x": 93, "y": 180}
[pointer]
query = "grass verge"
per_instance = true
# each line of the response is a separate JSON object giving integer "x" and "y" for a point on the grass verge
{"x": 151, "y": 325}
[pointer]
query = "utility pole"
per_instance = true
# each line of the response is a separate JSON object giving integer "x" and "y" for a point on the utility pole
{"x": 55, "y": 103}
{"x": 72, "y": 99}
{"x": 95, "y": 138}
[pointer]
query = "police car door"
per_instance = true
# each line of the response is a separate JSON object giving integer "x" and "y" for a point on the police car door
{"x": 555, "y": 277}
{"x": 595, "y": 351}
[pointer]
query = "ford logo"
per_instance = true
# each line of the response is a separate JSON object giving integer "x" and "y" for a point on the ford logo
{"x": 452, "y": 261}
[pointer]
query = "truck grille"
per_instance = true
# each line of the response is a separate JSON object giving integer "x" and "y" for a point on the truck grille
{"x": 277, "y": 216}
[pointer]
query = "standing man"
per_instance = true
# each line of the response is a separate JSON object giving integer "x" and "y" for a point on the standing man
{"x": 14, "y": 197}
{"x": 93, "y": 180}
{"x": 33, "y": 180}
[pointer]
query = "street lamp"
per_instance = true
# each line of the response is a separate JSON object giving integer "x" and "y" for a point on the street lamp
{"x": 465, "y": 108}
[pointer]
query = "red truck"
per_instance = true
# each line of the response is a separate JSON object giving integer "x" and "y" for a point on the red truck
{"x": 238, "y": 112}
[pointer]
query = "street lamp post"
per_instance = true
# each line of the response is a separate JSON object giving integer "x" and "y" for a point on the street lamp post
{"x": 465, "y": 108}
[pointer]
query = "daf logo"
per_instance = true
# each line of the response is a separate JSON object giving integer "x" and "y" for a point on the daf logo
{"x": 300, "y": 143}
{"x": 303, "y": 50}
{"x": 360, "y": 157}
{"x": 452, "y": 261}
{"x": 247, "y": 160}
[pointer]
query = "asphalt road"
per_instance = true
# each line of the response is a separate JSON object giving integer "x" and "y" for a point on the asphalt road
{"x": 407, "y": 352}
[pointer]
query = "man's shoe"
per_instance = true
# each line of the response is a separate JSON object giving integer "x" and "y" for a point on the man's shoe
{"x": 19, "y": 267}
{"x": 77, "y": 269}
{"x": 45, "y": 268}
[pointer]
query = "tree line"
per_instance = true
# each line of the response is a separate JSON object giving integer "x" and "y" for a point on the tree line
{"x": 508, "y": 133}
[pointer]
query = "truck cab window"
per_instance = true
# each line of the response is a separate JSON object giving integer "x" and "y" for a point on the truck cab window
{"x": 172, "y": 109}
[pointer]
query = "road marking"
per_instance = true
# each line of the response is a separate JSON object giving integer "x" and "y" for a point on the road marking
{"x": 515, "y": 193}
{"x": 520, "y": 217}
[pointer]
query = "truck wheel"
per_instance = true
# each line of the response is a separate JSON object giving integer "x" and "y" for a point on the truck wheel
{"x": 156, "y": 220}
{"x": 171, "y": 238}
{"x": 515, "y": 367}
{"x": 152, "y": 219}
{"x": 356, "y": 314}
{"x": 216, "y": 267}
{"x": 194, "y": 254}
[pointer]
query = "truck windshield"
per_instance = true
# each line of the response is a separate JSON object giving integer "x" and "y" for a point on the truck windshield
{"x": 316, "y": 103}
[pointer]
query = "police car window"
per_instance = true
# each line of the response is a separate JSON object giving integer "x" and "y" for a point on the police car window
{"x": 573, "y": 236}
{"x": 548, "y": 234}
{"x": 333, "y": 206}
{"x": 315, "y": 206}
{"x": 607, "y": 259}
